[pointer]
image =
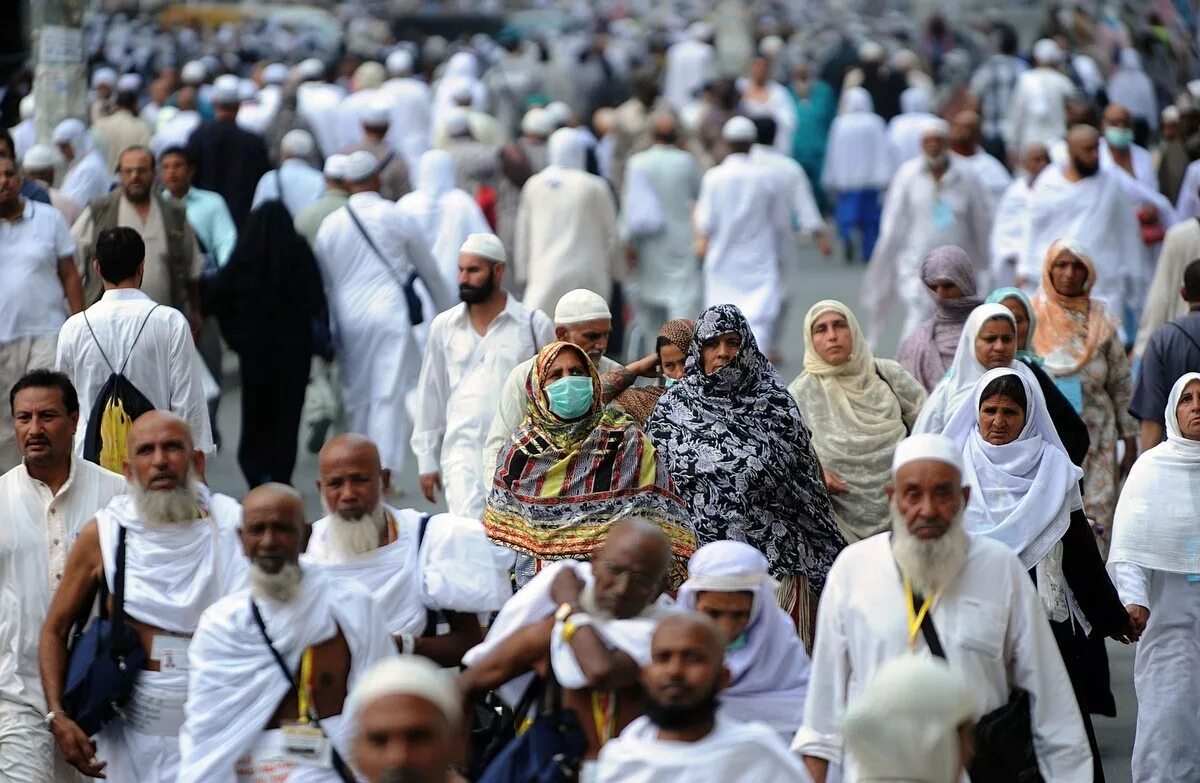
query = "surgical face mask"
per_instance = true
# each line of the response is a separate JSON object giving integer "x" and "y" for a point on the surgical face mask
{"x": 1121, "y": 138}
{"x": 570, "y": 397}
{"x": 668, "y": 382}
{"x": 737, "y": 643}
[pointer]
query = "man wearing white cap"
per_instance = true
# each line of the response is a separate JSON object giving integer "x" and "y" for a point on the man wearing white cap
{"x": 122, "y": 128}
{"x": 690, "y": 63}
{"x": 472, "y": 347}
{"x": 744, "y": 224}
{"x": 969, "y": 594}
{"x": 364, "y": 83}
{"x": 375, "y": 118}
{"x": 1038, "y": 109}
{"x": 40, "y": 164}
{"x": 412, "y": 108}
{"x": 520, "y": 159}
{"x": 87, "y": 176}
{"x": 370, "y": 256}
{"x": 317, "y": 102}
{"x": 104, "y": 79}
{"x": 308, "y": 220}
{"x": 24, "y": 133}
{"x": 295, "y": 182}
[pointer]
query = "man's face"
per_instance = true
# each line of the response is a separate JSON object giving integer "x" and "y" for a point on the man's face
{"x": 629, "y": 572}
{"x": 477, "y": 278}
{"x": 136, "y": 170}
{"x": 45, "y": 431}
{"x": 272, "y": 533}
{"x": 10, "y": 181}
{"x": 160, "y": 454}
{"x": 351, "y": 482}
{"x": 962, "y": 134}
{"x": 591, "y": 336}
{"x": 175, "y": 172}
{"x": 729, "y": 610}
{"x": 1117, "y": 116}
{"x": 403, "y": 738}
{"x": 758, "y": 70}
{"x": 66, "y": 151}
{"x": 934, "y": 145}
{"x": 1035, "y": 162}
{"x": 929, "y": 493}
{"x": 685, "y": 672}
{"x": 1085, "y": 155}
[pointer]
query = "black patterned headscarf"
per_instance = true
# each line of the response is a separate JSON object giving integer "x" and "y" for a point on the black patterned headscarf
{"x": 741, "y": 458}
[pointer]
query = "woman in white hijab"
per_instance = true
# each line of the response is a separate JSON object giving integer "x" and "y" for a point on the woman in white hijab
{"x": 858, "y": 167}
{"x": 446, "y": 214}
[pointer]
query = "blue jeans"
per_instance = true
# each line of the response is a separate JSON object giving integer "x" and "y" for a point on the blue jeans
{"x": 859, "y": 209}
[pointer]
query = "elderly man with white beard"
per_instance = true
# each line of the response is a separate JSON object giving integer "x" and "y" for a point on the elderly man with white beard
{"x": 178, "y": 559}
{"x": 246, "y": 717}
{"x": 417, "y": 566}
{"x": 968, "y": 592}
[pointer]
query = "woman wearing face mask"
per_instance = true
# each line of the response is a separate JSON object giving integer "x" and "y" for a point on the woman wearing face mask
{"x": 573, "y": 468}
{"x": 741, "y": 458}
{"x": 673, "y": 340}
{"x": 858, "y": 407}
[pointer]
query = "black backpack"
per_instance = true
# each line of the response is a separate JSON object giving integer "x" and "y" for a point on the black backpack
{"x": 117, "y": 406}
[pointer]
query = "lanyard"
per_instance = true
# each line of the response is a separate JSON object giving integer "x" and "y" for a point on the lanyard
{"x": 604, "y": 714}
{"x": 304, "y": 691}
{"x": 915, "y": 618}
{"x": 393, "y": 531}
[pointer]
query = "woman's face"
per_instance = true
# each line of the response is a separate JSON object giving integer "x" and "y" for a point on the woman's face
{"x": 1021, "y": 316}
{"x": 1187, "y": 411}
{"x": 567, "y": 363}
{"x": 1068, "y": 274}
{"x": 832, "y": 338}
{"x": 672, "y": 361}
{"x": 719, "y": 351}
{"x": 944, "y": 289}
{"x": 996, "y": 344}
{"x": 1001, "y": 419}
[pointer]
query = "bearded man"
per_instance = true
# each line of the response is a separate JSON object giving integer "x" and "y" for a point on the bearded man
{"x": 179, "y": 558}
{"x": 424, "y": 571}
{"x": 977, "y": 596}
{"x": 245, "y": 716}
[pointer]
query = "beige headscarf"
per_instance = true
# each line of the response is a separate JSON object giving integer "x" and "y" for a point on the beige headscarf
{"x": 1070, "y": 328}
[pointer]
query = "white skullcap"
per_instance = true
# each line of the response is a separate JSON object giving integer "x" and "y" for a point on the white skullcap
{"x": 399, "y": 63}
{"x": 904, "y": 724}
{"x": 870, "y": 52}
{"x": 27, "y": 107}
{"x": 770, "y": 46}
{"x": 104, "y": 76}
{"x": 487, "y": 245}
{"x": 360, "y": 166}
{"x": 406, "y": 675}
{"x": 335, "y": 166}
{"x": 247, "y": 90}
{"x": 935, "y": 127}
{"x": 275, "y": 73}
{"x": 460, "y": 89}
{"x": 40, "y": 156}
{"x": 739, "y": 129}
{"x": 193, "y": 73}
{"x": 68, "y": 131}
{"x": 226, "y": 90}
{"x": 296, "y": 142}
{"x": 376, "y": 114}
{"x": 456, "y": 121}
{"x": 1047, "y": 52}
{"x": 926, "y": 446}
{"x": 369, "y": 76}
{"x": 537, "y": 123}
{"x": 309, "y": 69}
{"x": 129, "y": 82}
{"x": 558, "y": 112}
{"x": 700, "y": 31}
{"x": 1169, "y": 114}
{"x": 1193, "y": 88}
{"x": 905, "y": 58}
{"x": 581, "y": 305}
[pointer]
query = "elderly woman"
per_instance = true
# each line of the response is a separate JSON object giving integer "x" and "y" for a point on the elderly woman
{"x": 1079, "y": 343}
{"x": 573, "y": 468}
{"x": 950, "y": 277}
{"x": 673, "y": 340}
{"x": 858, "y": 407}
{"x": 741, "y": 458}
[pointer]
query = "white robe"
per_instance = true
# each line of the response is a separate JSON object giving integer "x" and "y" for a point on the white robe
{"x": 1187, "y": 204}
{"x": 1180, "y": 247}
{"x": 689, "y": 65}
{"x": 237, "y": 685}
{"x": 301, "y": 184}
{"x": 369, "y": 314}
{"x": 732, "y": 751}
{"x": 1144, "y": 170}
{"x": 317, "y": 103}
{"x": 88, "y": 178}
{"x": 347, "y": 117}
{"x": 794, "y": 185}
{"x": 991, "y": 625}
{"x": 1008, "y": 232}
{"x": 408, "y": 131}
{"x": 257, "y": 115}
{"x": 857, "y": 156}
{"x": 990, "y": 172}
{"x": 1037, "y": 111}
{"x": 904, "y": 135}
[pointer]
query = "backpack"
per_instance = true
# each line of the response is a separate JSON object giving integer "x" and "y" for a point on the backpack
{"x": 117, "y": 406}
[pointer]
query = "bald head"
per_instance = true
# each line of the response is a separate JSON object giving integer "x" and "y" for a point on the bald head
{"x": 702, "y": 628}
{"x": 631, "y": 567}
{"x": 277, "y": 499}
{"x": 964, "y": 132}
{"x": 664, "y": 128}
{"x": 1117, "y": 116}
{"x": 273, "y": 533}
{"x": 352, "y": 479}
{"x": 350, "y": 445}
{"x": 159, "y": 451}
{"x": 685, "y": 673}
{"x": 1035, "y": 157}
{"x": 1083, "y": 147}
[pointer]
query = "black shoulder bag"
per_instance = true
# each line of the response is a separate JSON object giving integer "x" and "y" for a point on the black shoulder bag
{"x": 416, "y": 312}
{"x": 1004, "y": 751}
{"x": 339, "y": 765}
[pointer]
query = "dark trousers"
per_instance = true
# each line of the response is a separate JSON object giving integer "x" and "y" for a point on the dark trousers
{"x": 273, "y": 384}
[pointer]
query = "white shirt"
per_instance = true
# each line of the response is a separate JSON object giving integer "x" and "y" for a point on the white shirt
{"x": 793, "y": 184}
{"x": 38, "y": 530}
{"x": 991, "y": 624}
{"x": 302, "y": 185}
{"x": 1038, "y": 109}
{"x": 32, "y": 300}
{"x": 88, "y": 178}
{"x": 163, "y": 364}
{"x": 689, "y": 64}
{"x": 990, "y": 172}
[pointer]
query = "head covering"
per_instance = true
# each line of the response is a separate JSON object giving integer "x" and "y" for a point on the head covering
{"x": 923, "y": 446}
{"x": 581, "y": 305}
{"x": 129, "y": 82}
{"x": 1072, "y": 327}
{"x": 567, "y": 149}
{"x": 360, "y": 166}
{"x": 399, "y": 63}
{"x": 376, "y": 114}
{"x": 741, "y": 456}
{"x": 487, "y": 246}
{"x": 275, "y": 73}
{"x": 27, "y": 106}
{"x": 1000, "y": 296}
{"x": 928, "y": 352}
{"x": 460, "y": 89}
{"x": 335, "y": 166}
{"x": 225, "y": 90}
{"x": 1170, "y": 114}
{"x": 559, "y": 113}
{"x": 914, "y": 100}
{"x": 856, "y": 418}
{"x": 193, "y": 73}
{"x": 296, "y": 143}
{"x": 103, "y": 77}
{"x": 739, "y": 129}
{"x": 560, "y": 485}
{"x": 406, "y": 675}
{"x": 310, "y": 69}
{"x": 870, "y": 52}
{"x": 857, "y": 100}
{"x": 536, "y": 123}
{"x": 40, "y": 156}
{"x": 456, "y": 121}
{"x": 369, "y": 76}
{"x": 1022, "y": 493}
{"x": 935, "y": 126}
{"x": 904, "y": 725}
{"x": 72, "y": 131}
{"x": 639, "y": 401}
{"x": 1156, "y": 523}
{"x": 1047, "y": 52}
{"x": 700, "y": 31}
{"x": 769, "y": 674}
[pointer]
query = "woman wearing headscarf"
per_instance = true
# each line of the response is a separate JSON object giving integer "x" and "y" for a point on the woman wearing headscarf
{"x": 1025, "y": 494}
{"x": 858, "y": 408}
{"x": 742, "y": 460}
{"x": 673, "y": 340}
{"x": 1079, "y": 343}
{"x": 949, "y": 276}
{"x": 573, "y": 468}
{"x": 858, "y": 167}
{"x": 445, "y": 214}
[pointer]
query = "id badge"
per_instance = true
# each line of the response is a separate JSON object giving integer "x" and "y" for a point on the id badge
{"x": 171, "y": 652}
{"x": 1072, "y": 388}
{"x": 943, "y": 216}
{"x": 304, "y": 743}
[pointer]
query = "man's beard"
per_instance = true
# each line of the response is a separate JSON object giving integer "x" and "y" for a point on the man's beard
{"x": 679, "y": 717}
{"x": 472, "y": 294}
{"x": 1085, "y": 169}
{"x": 929, "y": 564}
{"x": 281, "y": 587}
{"x": 352, "y": 537}
{"x": 405, "y": 775}
{"x": 937, "y": 161}
{"x": 161, "y": 507}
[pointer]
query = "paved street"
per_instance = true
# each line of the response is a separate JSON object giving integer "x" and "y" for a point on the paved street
{"x": 815, "y": 279}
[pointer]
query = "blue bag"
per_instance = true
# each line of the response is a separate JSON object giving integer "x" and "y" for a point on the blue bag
{"x": 549, "y": 751}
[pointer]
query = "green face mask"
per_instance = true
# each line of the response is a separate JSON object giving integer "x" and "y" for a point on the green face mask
{"x": 737, "y": 643}
{"x": 668, "y": 382}
{"x": 570, "y": 397}
{"x": 1120, "y": 138}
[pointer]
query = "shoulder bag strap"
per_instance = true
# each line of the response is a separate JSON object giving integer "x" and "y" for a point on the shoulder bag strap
{"x": 928, "y": 630}
{"x": 907, "y": 428}
{"x": 431, "y": 615}
{"x": 371, "y": 242}
{"x": 118, "y": 612}
{"x": 533, "y": 334}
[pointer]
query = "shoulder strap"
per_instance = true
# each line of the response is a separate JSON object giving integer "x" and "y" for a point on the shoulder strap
{"x": 907, "y": 428}
{"x": 99, "y": 347}
{"x": 431, "y": 615}
{"x": 137, "y": 337}
{"x": 928, "y": 630}
{"x": 1183, "y": 331}
{"x": 118, "y": 612}
{"x": 533, "y": 334}
{"x": 422, "y": 526}
{"x": 371, "y": 242}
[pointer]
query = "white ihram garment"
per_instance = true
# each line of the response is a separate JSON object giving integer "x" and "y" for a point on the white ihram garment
{"x": 301, "y": 183}
{"x": 408, "y": 131}
{"x": 317, "y": 103}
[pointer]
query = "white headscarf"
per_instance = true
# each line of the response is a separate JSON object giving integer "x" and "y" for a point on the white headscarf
{"x": 567, "y": 149}
{"x": 1022, "y": 493}
{"x": 1157, "y": 522}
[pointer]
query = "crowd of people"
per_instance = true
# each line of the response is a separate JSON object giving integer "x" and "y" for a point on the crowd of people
{"x": 549, "y": 276}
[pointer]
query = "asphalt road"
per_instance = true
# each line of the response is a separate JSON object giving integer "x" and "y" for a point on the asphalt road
{"x": 813, "y": 279}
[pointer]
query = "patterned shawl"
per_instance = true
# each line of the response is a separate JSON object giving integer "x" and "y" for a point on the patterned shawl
{"x": 639, "y": 401}
{"x": 742, "y": 459}
{"x": 562, "y": 484}
{"x": 928, "y": 351}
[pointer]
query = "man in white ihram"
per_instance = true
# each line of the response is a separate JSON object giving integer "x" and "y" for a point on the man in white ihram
{"x": 367, "y": 250}
{"x": 471, "y": 349}
{"x": 296, "y": 183}
{"x": 979, "y": 597}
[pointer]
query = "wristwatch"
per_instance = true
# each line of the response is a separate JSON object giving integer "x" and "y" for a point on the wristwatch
{"x": 564, "y": 611}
